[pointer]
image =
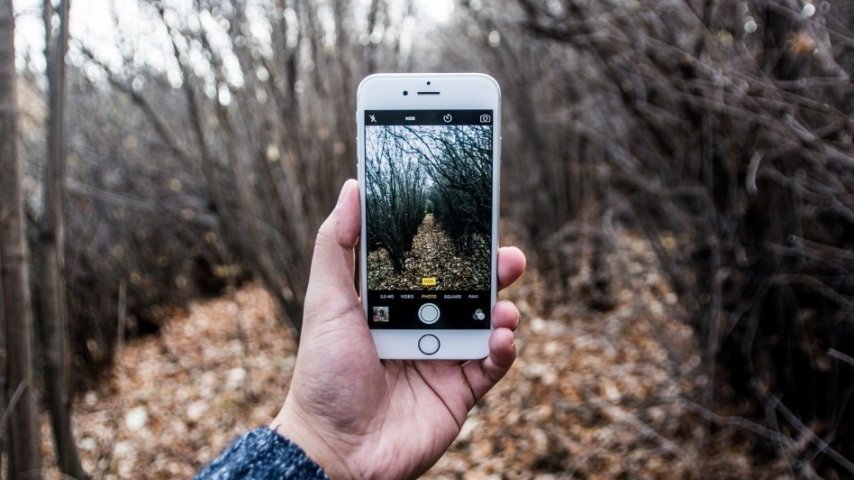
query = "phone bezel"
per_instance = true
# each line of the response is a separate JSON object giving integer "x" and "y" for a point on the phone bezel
{"x": 457, "y": 91}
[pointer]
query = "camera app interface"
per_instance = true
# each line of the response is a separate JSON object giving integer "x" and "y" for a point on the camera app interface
{"x": 428, "y": 187}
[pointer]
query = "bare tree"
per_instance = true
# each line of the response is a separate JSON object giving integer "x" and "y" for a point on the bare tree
{"x": 458, "y": 159}
{"x": 49, "y": 295}
{"x": 265, "y": 119}
{"x": 722, "y": 131}
{"x": 395, "y": 196}
{"x": 23, "y": 436}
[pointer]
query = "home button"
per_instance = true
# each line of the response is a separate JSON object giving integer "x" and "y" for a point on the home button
{"x": 428, "y": 344}
{"x": 428, "y": 313}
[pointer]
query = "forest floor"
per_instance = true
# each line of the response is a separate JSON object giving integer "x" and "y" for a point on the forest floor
{"x": 432, "y": 256}
{"x": 592, "y": 395}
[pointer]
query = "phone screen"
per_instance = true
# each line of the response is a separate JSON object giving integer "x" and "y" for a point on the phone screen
{"x": 428, "y": 206}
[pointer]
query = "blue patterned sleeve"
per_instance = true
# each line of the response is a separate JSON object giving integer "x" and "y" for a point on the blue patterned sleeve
{"x": 262, "y": 454}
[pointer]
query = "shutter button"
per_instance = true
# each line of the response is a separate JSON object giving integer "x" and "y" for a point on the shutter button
{"x": 428, "y": 313}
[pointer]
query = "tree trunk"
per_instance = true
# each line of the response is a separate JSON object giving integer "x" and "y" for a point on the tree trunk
{"x": 51, "y": 311}
{"x": 23, "y": 436}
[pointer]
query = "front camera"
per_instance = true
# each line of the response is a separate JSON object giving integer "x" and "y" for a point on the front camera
{"x": 428, "y": 83}
{"x": 405, "y": 93}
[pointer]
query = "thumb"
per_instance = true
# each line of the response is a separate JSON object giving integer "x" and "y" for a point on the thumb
{"x": 330, "y": 290}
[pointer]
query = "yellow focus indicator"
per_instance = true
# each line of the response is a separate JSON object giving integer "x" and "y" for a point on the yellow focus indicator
{"x": 428, "y": 281}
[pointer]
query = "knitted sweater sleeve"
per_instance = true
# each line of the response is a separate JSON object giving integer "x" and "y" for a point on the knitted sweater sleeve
{"x": 260, "y": 454}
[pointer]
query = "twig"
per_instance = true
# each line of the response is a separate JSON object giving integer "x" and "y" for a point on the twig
{"x": 121, "y": 322}
{"x": 750, "y": 179}
{"x": 735, "y": 421}
{"x": 811, "y": 436}
{"x": 8, "y": 412}
{"x": 834, "y": 353}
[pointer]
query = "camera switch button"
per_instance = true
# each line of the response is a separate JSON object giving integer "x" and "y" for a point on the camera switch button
{"x": 428, "y": 344}
{"x": 428, "y": 313}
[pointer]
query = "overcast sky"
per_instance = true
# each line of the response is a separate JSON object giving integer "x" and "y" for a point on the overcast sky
{"x": 93, "y": 23}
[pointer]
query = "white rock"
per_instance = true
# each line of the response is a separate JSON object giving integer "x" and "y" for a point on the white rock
{"x": 136, "y": 418}
{"x": 235, "y": 378}
{"x": 197, "y": 409}
{"x": 538, "y": 324}
{"x": 88, "y": 443}
{"x": 612, "y": 393}
{"x": 468, "y": 427}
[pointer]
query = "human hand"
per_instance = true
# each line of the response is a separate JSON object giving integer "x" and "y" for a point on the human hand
{"x": 361, "y": 417}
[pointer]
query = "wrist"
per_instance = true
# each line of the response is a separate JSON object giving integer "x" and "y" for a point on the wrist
{"x": 292, "y": 424}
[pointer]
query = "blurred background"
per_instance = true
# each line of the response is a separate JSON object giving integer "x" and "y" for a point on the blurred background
{"x": 680, "y": 174}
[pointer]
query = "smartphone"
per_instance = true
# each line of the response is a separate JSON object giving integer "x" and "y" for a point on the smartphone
{"x": 429, "y": 148}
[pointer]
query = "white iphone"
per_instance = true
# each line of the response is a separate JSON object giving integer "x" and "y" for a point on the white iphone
{"x": 429, "y": 149}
